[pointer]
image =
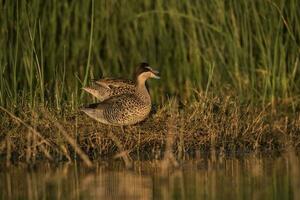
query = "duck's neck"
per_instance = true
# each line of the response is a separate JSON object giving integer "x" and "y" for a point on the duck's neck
{"x": 142, "y": 90}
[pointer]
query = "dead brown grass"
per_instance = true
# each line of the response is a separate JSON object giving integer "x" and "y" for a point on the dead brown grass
{"x": 213, "y": 124}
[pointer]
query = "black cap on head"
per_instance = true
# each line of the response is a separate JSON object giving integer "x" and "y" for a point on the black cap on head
{"x": 143, "y": 67}
{"x": 144, "y": 64}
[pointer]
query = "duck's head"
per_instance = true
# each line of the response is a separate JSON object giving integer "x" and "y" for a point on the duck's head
{"x": 144, "y": 72}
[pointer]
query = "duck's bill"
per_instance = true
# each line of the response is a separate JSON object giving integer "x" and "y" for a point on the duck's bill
{"x": 155, "y": 74}
{"x": 156, "y": 77}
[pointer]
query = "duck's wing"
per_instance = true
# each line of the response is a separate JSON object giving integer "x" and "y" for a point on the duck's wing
{"x": 97, "y": 110}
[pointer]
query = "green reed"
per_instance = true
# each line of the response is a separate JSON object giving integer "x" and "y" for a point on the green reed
{"x": 50, "y": 49}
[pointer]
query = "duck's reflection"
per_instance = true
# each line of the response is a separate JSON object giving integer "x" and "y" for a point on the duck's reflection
{"x": 120, "y": 185}
{"x": 230, "y": 178}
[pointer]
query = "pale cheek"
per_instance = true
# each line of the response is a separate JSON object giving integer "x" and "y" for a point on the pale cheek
{"x": 146, "y": 75}
{"x": 149, "y": 74}
{"x": 143, "y": 77}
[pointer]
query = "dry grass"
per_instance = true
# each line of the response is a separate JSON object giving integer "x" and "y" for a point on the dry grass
{"x": 213, "y": 124}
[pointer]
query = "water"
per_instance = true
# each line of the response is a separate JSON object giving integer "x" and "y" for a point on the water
{"x": 249, "y": 177}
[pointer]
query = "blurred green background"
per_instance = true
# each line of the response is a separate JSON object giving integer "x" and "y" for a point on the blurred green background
{"x": 50, "y": 49}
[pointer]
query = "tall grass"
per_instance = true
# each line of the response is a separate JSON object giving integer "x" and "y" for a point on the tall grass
{"x": 50, "y": 49}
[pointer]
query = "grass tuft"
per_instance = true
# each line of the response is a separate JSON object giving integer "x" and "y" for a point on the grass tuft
{"x": 215, "y": 125}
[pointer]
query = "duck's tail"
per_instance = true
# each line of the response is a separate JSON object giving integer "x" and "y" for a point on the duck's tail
{"x": 100, "y": 93}
{"x": 95, "y": 113}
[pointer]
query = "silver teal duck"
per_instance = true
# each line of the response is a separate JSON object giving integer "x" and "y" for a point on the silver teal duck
{"x": 123, "y": 102}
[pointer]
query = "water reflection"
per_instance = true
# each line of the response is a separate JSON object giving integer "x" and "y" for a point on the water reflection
{"x": 117, "y": 185}
{"x": 248, "y": 178}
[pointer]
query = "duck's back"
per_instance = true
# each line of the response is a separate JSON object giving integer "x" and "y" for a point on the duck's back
{"x": 115, "y": 82}
{"x": 110, "y": 87}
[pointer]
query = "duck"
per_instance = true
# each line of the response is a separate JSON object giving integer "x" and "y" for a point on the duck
{"x": 122, "y": 101}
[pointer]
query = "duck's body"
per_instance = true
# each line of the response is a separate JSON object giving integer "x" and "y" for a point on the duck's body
{"x": 123, "y": 102}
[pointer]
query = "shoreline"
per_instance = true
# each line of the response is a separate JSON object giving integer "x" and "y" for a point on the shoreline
{"x": 207, "y": 125}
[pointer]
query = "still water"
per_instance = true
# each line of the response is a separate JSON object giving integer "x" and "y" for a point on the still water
{"x": 249, "y": 177}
